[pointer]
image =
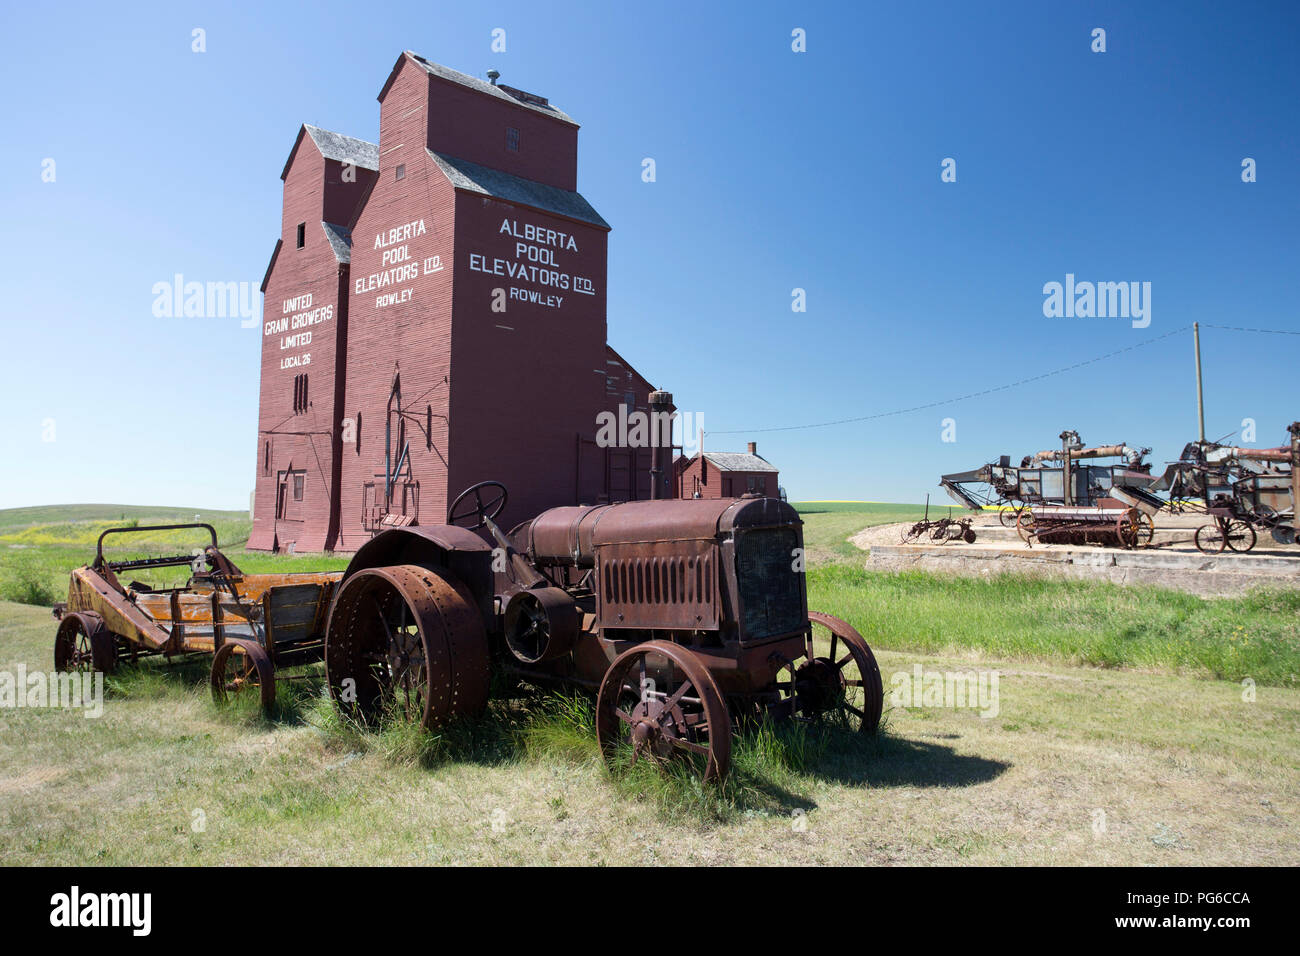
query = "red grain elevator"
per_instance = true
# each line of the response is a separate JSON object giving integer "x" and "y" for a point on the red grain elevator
{"x": 435, "y": 317}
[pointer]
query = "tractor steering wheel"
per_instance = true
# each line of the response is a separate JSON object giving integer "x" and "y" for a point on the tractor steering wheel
{"x": 472, "y": 504}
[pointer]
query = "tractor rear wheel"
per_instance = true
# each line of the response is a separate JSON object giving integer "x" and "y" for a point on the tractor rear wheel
{"x": 660, "y": 700}
{"x": 405, "y": 640}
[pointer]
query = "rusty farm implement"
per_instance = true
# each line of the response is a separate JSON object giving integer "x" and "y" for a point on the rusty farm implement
{"x": 1063, "y": 496}
{"x": 251, "y": 625}
{"x": 683, "y": 618}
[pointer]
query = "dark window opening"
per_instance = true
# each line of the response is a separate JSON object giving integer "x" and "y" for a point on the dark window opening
{"x": 512, "y": 139}
{"x": 298, "y": 481}
{"x": 266, "y": 458}
{"x": 401, "y": 171}
{"x": 302, "y": 234}
{"x": 428, "y": 426}
{"x": 300, "y": 393}
{"x": 358, "y": 435}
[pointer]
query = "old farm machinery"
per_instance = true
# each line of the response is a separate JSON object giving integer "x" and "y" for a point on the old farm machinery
{"x": 941, "y": 530}
{"x": 251, "y": 625}
{"x": 683, "y": 617}
{"x": 1246, "y": 491}
{"x": 1063, "y": 496}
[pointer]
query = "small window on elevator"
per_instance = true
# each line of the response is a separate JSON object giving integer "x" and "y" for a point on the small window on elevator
{"x": 512, "y": 139}
{"x": 302, "y": 234}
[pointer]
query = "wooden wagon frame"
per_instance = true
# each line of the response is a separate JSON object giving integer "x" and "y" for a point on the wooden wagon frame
{"x": 251, "y": 625}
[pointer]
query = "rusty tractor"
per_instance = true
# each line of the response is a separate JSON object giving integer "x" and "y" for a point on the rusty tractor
{"x": 683, "y": 617}
{"x": 251, "y": 625}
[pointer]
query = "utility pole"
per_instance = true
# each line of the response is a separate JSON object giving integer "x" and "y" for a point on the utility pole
{"x": 1200, "y": 400}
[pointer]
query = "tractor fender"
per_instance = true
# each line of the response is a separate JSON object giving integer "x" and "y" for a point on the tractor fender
{"x": 454, "y": 551}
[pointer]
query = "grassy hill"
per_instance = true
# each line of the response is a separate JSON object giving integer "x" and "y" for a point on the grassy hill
{"x": 40, "y": 545}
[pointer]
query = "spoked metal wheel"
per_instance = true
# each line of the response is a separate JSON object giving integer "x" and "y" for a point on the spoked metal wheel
{"x": 405, "y": 638}
{"x": 1025, "y": 525}
{"x": 1146, "y": 530}
{"x": 660, "y": 699}
{"x": 242, "y": 668}
{"x": 843, "y": 684}
{"x": 83, "y": 643}
{"x": 1210, "y": 538}
{"x": 1132, "y": 531}
{"x": 1007, "y": 516}
{"x": 1240, "y": 536}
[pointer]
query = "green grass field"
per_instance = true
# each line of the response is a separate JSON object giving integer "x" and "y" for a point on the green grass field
{"x": 1124, "y": 705}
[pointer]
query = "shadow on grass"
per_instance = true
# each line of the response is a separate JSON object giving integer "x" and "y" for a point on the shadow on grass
{"x": 887, "y": 760}
{"x": 296, "y": 689}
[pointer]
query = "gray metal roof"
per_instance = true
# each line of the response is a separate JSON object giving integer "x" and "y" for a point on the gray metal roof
{"x": 340, "y": 238}
{"x": 536, "y": 103}
{"x": 738, "y": 461}
{"x": 344, "y": 149}
{"x": 492, "y": 182}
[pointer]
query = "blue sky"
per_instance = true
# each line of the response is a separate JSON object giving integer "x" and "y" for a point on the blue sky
{"x": 775, "y": 170}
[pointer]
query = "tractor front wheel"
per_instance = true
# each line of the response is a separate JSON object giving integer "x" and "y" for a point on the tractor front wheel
{"x": 659, "y": 701}
{"x": 844, "y": 684}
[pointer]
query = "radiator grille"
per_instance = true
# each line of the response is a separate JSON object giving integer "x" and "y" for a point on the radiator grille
{"x": 658, "y": 590}
{"x": 771, "y": 590}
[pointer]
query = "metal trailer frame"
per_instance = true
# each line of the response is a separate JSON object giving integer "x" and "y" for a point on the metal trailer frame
{"x": 251, "y": 625}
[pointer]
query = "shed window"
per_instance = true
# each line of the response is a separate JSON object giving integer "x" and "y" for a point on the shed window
{"x": 266, "y": 458}
{"x": 302, "y": 234}
{"x": 297, "y": 486}
{"x": 512, "y": 139}
{"x": 401, "y": 171}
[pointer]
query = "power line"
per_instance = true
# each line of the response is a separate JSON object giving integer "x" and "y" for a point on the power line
{"x": 961, "y": 398}
{"x": 1235, "y": 328}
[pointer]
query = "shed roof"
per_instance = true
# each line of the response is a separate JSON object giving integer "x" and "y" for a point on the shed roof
{"x": 472, "y": 177}
{"x": 739, "y": 461}
{"x": 344, "y": 149}
{"x": 529, "y": 101}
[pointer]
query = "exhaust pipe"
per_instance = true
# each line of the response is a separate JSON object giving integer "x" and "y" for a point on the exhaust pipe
{"x": 661, "y": 444}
